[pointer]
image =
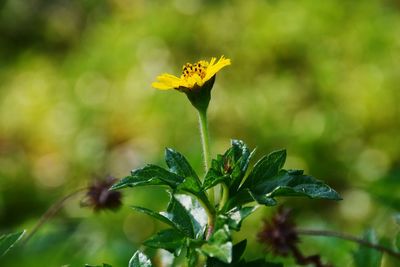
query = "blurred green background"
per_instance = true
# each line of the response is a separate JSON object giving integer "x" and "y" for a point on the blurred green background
{"x": 319, "y": 78}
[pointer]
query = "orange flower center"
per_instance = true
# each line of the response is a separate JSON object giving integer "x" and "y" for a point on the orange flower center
{"x": 198, "y": 68}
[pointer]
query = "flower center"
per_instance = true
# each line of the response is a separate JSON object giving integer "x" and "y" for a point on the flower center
{"x": 198, "y": 68}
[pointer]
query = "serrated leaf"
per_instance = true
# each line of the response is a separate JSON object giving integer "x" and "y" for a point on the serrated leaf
{"x": 8, "y": 241}
{"x": 219, "y": 246}
{"x": 293, "y": 183}
{"x": 196, "y": 213}
{"x": 149, "y": 175}
{"x": 169, "y": 239}
{"x": 177, "y": 214}
{"x": 266, "y": 168}
{"x": 178, "y": 164}
{"x": 368, "y": 257}
{"x": 242, "y": 156}
{"x": 139, "y": 259}
{"x": 235, "y": 216}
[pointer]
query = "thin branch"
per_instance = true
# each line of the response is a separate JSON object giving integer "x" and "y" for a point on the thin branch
{"x": 50, "y": 213}
{"x": 349, "y": 237}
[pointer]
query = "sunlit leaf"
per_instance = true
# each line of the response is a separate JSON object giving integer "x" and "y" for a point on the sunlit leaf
{"x": 219, "y": 246}
{"x": 139, "y": 259}
{"x": 8, "y": 241}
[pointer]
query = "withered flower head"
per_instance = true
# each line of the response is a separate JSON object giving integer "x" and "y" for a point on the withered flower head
{"x": 99, "y": 197}
{"x": 279, "y": 233}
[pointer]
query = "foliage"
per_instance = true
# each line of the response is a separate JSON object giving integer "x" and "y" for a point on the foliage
{"x": 200, "y": 228}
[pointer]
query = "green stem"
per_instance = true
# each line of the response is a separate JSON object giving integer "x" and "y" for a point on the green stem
{"x": 225, "y": 195}
{"x": 205, "y": 139}
{"x": 205, "y": 142}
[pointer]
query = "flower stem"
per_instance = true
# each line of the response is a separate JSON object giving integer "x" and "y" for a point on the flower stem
{"x": 351, "y": 238}
{"x": 51, "y": 212}
{"x": 205, "y": 141}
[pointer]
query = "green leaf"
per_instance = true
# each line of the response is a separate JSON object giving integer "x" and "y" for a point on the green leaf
{"x": 229, "y": 168}
{"x": 7, "y": 241}
{"x": 139, "y": 259}
{"x": 367, "y": 257}
{"x": 193, "y": 257}
{"x": 169, "y": 239}
{"x": 104, "y": 265}
{"x": 178, "y": 164}
{"x": 213, "y": 178}
{"x": 294, "y": 183}
{"x": 180, "y": 217}
{"x": 266, "y": 168}
{"x": 238, "y": 250}
{"x": 397, "y": 241}
{"x": 234, "y": 217}
{"x": 241, "y": 158}
{"x": 149, "y": 175}
{"x": 155, "y": 215}
{"x": 196, "y": 213}
{"x": 219, "y": 246}
{"x": 192, "y": 186}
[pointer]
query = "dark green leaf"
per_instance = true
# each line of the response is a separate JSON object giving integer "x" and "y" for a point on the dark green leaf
{"x": 196, "y": 213}
{"x": 193, "y": 257}
{"x": 266, "y": 168}
{"x": 229, "y": 168}
{"x": 213, "y": 178}
{"x": 192, "y": 186}
{"x": 178, "y": 164}
{"x": 104, "y": 265}
{"x": 238, "y": 250}
{"x": 397, "y": 241}
{"x": 8, "y": 241}
{"x": 241, "y": 159}
{"x": 293, "y": 183}
{"x": 169, "y": 239}
{"x": 235, "y": 216}
{"x": 155, "y": 215}
{"x": 139, "y": 259}
{"x": 219, "y": 246}
{"x": 367, "y": 257}
{"x": 149, "y": 175}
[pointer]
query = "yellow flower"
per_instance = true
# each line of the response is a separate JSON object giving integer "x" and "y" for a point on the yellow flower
{"x": 193, "y": 75}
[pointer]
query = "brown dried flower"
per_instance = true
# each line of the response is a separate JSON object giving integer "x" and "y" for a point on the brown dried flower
{"x": 99, "y": 197}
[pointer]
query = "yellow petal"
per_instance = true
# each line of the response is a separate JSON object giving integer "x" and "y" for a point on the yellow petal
{"x": 214, "y": 68}
{"x": 167, "y": 81}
